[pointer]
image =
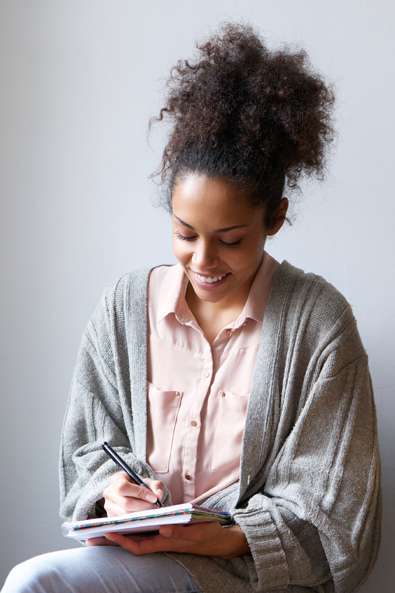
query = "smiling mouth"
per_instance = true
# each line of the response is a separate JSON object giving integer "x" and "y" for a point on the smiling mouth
{"x": 209, "y": 279}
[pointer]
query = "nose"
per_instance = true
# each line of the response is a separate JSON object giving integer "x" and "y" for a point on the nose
{"x": 205, "y": 255}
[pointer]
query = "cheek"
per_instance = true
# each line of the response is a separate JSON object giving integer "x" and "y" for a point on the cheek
{"x": 180, "y": 250}
{"x": 249, "y": 258}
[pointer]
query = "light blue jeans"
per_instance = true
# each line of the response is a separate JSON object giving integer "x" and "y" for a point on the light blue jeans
{"x": 104, "y": 569}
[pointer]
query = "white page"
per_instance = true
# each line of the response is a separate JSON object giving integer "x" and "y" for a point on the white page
{"x": 146, "y": 525}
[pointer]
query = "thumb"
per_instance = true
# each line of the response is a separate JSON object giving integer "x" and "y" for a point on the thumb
{"x": 167, "y": 531}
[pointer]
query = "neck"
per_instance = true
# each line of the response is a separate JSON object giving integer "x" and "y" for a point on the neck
{"x": 213, "y": 317}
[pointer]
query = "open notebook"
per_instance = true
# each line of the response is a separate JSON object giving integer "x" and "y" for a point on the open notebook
{"x": 143, "y": 521}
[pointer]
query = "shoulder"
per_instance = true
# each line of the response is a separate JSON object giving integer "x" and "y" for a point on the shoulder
{"x": 135, "y": 282}
{"x": 129, "y": 289}
{"x": 121, "y": 313}
{"x": 123, "y": 301}
{"x": 305, "y": 292}
{"x": 315, "y": 316}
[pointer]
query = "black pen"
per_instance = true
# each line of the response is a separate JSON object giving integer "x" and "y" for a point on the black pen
{"x": 115, "y": 457}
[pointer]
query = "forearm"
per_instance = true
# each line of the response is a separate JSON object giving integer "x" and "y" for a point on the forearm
{"x": 234, "y": 543}
{"x": 85, "y": 469}
{"x": 285, "y": 550}
{"x": 205, "y": 539}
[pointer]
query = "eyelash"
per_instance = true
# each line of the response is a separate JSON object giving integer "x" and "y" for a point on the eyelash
{"x": 183, "y": 238}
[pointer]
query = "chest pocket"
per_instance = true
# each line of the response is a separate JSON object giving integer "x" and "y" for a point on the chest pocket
{"x": 228, "y": 431}
{"x": 163, "y": 408}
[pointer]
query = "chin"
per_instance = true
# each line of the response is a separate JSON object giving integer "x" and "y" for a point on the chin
{"x": 210, "y": 295}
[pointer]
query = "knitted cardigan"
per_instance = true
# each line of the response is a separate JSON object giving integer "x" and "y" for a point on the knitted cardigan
{"x": 308, "y": 498}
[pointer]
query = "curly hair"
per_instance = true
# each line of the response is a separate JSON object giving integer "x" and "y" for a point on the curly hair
{"x": 255, "y": 117}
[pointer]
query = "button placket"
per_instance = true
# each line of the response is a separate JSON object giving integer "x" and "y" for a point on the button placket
{"x": 190, "y": 452}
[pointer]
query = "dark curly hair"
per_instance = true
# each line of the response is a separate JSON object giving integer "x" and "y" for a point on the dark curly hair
{"x": 255, "y": 117}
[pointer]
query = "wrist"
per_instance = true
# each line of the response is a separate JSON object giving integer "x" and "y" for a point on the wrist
{"x": 235, "y": 542}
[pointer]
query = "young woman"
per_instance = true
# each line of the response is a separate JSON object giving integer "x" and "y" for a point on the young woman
{"x": 228, "y": 379}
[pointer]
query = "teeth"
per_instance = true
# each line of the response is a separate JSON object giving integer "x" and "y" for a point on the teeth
{"x": 210, "y": 279}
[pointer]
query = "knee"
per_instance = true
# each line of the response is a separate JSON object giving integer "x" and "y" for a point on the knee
{"x": 33, "y": 576}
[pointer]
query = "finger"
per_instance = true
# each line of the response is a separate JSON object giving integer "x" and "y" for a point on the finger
{"x": 127, "y": 504}
{"x": 122, "y": 496}
{"x": 140, "y": 546}
{"x": 156, "y": 486}
{"x": 99, "y": 541}
{"x": 169, "y": 531}
{"x": 186, "y": 532}
{"x": 126, "y": 488}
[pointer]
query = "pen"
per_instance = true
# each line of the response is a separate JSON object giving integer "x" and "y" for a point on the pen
{"x": 115, "y": 457}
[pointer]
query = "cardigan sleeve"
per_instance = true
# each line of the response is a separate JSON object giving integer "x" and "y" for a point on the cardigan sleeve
{"x": 99, "y": 409}
{"x": 316, "y": 520}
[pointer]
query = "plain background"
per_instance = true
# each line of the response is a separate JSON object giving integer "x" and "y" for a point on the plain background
{"x": 79, "y": 80}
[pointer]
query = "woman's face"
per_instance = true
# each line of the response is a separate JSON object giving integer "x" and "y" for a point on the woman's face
{"x": 217, "y": 237}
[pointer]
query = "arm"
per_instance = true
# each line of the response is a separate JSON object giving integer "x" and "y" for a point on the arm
{"x": 99, "y": 409}
{"x": 85, "y": 470}
{"x": 316, "y": 519}
{"x": 204, "y": 539}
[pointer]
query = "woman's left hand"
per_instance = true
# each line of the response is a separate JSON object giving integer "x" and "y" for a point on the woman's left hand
{"x": 204, "y": 539}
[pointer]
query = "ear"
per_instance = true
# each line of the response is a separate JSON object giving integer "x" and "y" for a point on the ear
{"x": 278, "y": 217}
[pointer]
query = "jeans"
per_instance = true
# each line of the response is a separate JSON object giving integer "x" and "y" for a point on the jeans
{"x": 104, "y": 569}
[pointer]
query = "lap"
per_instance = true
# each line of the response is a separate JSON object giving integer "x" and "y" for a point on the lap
{"x": 102, "y": 569}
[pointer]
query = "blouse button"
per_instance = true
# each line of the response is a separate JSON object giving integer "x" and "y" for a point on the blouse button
{"x": 188, "y": 477}
{"x": 223, "y": 394}
{"x": 193, "y": 423}
{"x": 207, "y": 374}
{"x": 177, "y": 394}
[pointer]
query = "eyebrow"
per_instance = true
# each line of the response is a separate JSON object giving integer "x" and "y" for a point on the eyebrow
{"x": 224, "y": 230}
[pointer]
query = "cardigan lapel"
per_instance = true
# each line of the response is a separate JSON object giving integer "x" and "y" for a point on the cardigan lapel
{"x": 136, "y": 319}
{"x": 263, "y": 408}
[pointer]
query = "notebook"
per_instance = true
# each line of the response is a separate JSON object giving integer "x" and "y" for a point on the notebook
{"x": 143, "y": 521}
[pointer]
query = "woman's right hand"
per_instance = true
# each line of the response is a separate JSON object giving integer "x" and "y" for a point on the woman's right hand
{"x": 124, "y": 496}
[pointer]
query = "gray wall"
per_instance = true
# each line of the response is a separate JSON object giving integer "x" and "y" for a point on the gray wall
{"x": 79, "y": 79}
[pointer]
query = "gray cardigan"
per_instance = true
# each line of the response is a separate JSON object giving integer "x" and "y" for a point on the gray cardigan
{"x": 308, "y": 498}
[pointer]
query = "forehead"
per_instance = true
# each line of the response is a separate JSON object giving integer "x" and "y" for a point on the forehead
{"x": 214, "y": 199}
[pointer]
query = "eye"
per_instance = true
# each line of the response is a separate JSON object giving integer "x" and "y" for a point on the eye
{"x": 183, "y": 237}
{"x": 233, "y": 244}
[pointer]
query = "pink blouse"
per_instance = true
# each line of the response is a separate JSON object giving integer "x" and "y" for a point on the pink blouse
{"x": 197, "y": 393}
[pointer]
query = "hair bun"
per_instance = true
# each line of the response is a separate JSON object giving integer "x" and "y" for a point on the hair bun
{"x": 261, "y": 115}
